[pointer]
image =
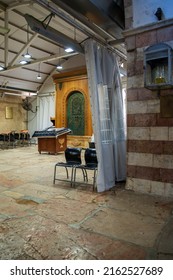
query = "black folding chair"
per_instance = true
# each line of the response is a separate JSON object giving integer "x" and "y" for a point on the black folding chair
{"x": 73, "y": 158}
{"x": 91, "y": 163}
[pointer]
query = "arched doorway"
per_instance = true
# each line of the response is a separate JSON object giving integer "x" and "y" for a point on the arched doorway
{"x": 73, "y": 85}
{"x": 76, "y": 113}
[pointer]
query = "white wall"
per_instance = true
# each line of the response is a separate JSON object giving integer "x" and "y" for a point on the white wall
{"x": 74, "y": 62}
{"x": 32, "y": 117}
{"x": 144, "y": 10}
{"x": 45, "y": 101}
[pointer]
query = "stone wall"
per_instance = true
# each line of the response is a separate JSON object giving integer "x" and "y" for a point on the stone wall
{"x": 19, "y": 115}
{"x": 150, "y": 136}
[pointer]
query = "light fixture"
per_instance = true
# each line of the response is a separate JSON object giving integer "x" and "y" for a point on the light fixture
{"x": 1, "y": 68}
{"x": 23, "y": 62}
{"x": 39, "y": 75}
{"x": 27, "y": 55}
{"x": 158, "y": 69}
{"x": 59, "y": 67}
{"x": 69, "y": 50}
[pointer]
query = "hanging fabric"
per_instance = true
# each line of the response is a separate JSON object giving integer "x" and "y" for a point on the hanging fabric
{"x": 108, "y": 115}
{"x": 47, "y": 110}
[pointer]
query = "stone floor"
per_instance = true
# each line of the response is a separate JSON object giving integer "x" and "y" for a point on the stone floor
{"x": 40, "y": 220}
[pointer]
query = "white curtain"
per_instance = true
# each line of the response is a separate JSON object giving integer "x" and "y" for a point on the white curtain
{"x": 108, "y": 115}
{"x": 47, "y": 110}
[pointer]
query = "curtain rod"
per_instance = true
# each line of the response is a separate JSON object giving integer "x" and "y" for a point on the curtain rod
{"x": 106, "y": 45}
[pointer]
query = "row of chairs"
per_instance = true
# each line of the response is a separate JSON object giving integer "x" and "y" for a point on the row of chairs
{"x": 13, "y": 138}
{"x": 74, "y": 162}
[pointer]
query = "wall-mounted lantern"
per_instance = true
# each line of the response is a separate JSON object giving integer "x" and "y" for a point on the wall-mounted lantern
{"x": 158, "y": 67}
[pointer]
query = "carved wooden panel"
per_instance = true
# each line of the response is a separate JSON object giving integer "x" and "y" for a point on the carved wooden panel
{"x": 76, "y": 113}
{"x": 66, "y": 85}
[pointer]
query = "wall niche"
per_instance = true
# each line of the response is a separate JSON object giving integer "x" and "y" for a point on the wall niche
{"x": 72, "y": 106}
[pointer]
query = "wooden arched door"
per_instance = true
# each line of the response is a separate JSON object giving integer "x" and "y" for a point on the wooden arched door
{"x": 76, "y": 113}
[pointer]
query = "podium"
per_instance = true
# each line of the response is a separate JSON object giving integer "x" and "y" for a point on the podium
{"x": 52, "y": 141}
{"x": 52, "y": 145}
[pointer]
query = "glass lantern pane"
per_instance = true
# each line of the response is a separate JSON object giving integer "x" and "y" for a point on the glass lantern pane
{"x": 158, "y": 62}
{"x": 148, "y": 75}
{"x": 159, "y": 71}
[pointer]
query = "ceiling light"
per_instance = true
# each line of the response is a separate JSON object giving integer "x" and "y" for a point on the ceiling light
{"x": 38, "y": 77}
{"x": 1, "y": 68}
{"x": 23, "y": 62}
{"x": 69, "y": 50}
{"x": 59, "y": 67}
{"x": 27, "y": 55}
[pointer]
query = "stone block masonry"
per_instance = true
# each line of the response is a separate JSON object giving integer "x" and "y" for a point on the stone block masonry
{"x": 149, "y": 135}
